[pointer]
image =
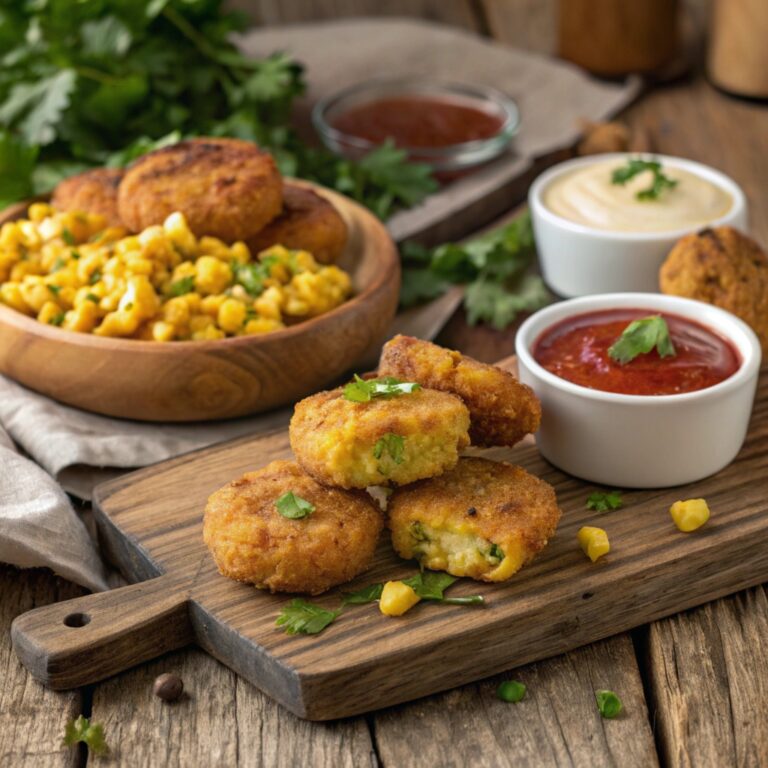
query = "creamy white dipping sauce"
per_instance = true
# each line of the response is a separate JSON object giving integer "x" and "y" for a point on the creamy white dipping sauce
{"x": 587, "y": 196}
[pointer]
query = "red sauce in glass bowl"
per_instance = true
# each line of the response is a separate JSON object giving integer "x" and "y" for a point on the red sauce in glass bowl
{"x": 576, "y": 349}
{"x": 418, "y": 121}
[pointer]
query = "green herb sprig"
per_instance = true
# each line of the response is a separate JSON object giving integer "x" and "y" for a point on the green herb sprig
{"x": 182, "y": 286}
{"x": 364, "y": 390}
{"x": 368, "y": 594}
{"x": 430, "y": 585}
{"x": 300, "y": 617}
{"x": 511, "y": 691}
{"x": 391, "y": 445}
{"x": 636, "y": 166}
{"x": 293, "y": 506}
{"x": 640, "y": 337}
{"x": 90, "y": 734}
{"x": 608, "y": 704}
{"x": 604, "y": 501}
{"x": 493, "y": 268}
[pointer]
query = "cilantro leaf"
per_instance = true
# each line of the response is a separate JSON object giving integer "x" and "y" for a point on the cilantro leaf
{"x": 182, "y": 286}
{"x": 430, "y": 585}
{"x": 640, "y": 337}
{"x": 368, "y": 594}
{"x": 82, "y": 730}
{"x": 253, "y": 276}
{"x": 635, "y": 166}
{"x": 293, "y": 506}
{"x": 300, "y": 617}
{"x": 17, "y": 163}
{"x": 67, "y": 236}
{"x": 493, "y": 303}
{"x": 602, "y": 502}
{"x": 364, "y": 390}
{"x": 391, "y": 444}
{"x": 608, "y": 703}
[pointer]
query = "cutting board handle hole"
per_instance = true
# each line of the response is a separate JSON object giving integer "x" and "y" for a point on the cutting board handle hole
{"x": 77, "y": 619}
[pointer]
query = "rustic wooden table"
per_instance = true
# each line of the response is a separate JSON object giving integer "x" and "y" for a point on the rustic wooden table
{"x": 694, "y": 686}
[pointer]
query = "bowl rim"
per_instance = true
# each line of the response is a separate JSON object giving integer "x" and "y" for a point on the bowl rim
{"x": 735, "y": 330}
{"x": 390, "y": 260}
{"x": 717, "y": 177}
{"x": 508, "y": 105}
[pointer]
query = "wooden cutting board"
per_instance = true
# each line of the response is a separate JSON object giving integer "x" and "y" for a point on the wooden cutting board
{"x": 150, "y": 521}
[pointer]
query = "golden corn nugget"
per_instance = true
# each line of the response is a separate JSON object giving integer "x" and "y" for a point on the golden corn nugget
{"x": 251, "y": 540}
{"x": 483, "y": 519}
{"x": 501, "y": 409}
{"x": 93, "y": 191}
{"x": 724, "y": 267}
{"x": 226, "y": 188}
{"x": 392, "y": 440}
{"x": 308, "y": 222}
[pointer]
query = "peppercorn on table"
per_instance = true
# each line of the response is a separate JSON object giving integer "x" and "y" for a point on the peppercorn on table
{"x": 693, "y": 687}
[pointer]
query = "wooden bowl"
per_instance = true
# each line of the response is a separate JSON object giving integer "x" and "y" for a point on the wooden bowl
{"x": 205, "y": 380}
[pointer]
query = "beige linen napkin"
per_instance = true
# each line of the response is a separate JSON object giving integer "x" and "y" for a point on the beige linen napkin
{"x": 39, "y": 527}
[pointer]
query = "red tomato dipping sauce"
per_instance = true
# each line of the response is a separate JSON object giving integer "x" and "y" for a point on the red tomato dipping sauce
{"x": 576, "y": 349}
{"x": 418, "y": 121}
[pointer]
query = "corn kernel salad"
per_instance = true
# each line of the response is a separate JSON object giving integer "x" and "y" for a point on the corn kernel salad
{"x": 164, "y": 284}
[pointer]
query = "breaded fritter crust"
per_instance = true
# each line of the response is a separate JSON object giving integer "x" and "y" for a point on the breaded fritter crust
{"x": 723, "y": 267}
{"x": 418, "y": 435}
{"x": 93, "y": 191}
{"x": 252, "y": 542}
{"x": 483, "y": 519}
{"x": 502, "y": 410}
{"x": 308, "y": 222}
{"x": 226, "y": 188}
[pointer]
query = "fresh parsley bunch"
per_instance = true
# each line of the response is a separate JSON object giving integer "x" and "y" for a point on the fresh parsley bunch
{"x": 99, "y": 82}
{"x": 493, "y": 267}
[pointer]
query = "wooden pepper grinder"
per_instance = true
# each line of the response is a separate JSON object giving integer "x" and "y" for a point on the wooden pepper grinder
{"x": 737, "y": 59}
{"x": 616, "y": 37}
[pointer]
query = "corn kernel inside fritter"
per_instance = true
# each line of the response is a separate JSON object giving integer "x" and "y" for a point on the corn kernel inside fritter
{"x": 482, "y": 520}
{"x": 387, "y": 441}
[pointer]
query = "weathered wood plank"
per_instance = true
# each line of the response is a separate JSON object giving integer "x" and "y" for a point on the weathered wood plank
{"x": 709, "y": 683}
{"x": 556, "y": 724}
{"x": 220, "y": 720}
{"x": 32, "y": 718}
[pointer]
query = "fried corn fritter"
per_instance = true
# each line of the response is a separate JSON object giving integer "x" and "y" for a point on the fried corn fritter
{"x": 308, "y": 222}
{"x": 483, "y": 519}
{"x": 724, "y": 267}
{"x": 502, "y": 410}
{"x": 226, "y": 188}
{"x": 93, "y": 191}
{"x": 251, "y": 541}
{"x": 394, "y": 440}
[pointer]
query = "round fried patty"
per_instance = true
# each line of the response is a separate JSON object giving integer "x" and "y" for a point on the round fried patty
{"x": 393, "y": 440}
{"x": 226, "y": 188}
{"x": 251, "y": 541}
{"x": 93, "y": 191}
{"x": 502, "y": 410}
{"x": 483, "y": 519}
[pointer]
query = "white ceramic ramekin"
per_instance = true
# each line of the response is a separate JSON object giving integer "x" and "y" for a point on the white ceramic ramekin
{"x": 636, "y": 441}
{"x": 578, "y": 260}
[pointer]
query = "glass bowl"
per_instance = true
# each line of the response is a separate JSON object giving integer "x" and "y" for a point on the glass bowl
{"x": 450, "y": 158}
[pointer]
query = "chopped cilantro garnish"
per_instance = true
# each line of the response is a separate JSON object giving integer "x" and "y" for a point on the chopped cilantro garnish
{"x": 90, "y": 734}
{"x": 602, "y": 502}
{"x": 300, "y": 617}
{"x": 363, "y": 391}
{"x": 365, "y": 595}
{"x": 430, "y": 585}
{"x": 92, "y": 297}
{"x": 640, "y": 337}
{"x": 608, "y": 703}
{"x": 291, "y": 505}
{"x": 95, "y": 277}
{"x": 57, "y": 319}
{"x": 637, "y": 165}
{"x": 182, "y": 286}
{"x": 67, "y": 236}
{"x": 392, "y": 445}
{"x": 253, "y": 276}
{"x": 54, "y": 289}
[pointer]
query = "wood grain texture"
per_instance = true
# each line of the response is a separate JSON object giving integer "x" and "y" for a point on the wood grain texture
{"x": 220, "y": 720}
{"x": 556, "y": 724}
{"x": 364, "y": 661}
{"x": 32, "y": 718}
{"x": 708, "y": 683}
{"x": 205, "y": 380}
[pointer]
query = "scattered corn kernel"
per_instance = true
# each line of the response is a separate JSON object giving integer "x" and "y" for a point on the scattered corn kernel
{"x": 594, "y": 542}
{"x": 397, "y": 598}
{"x": 689, "y": 515}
